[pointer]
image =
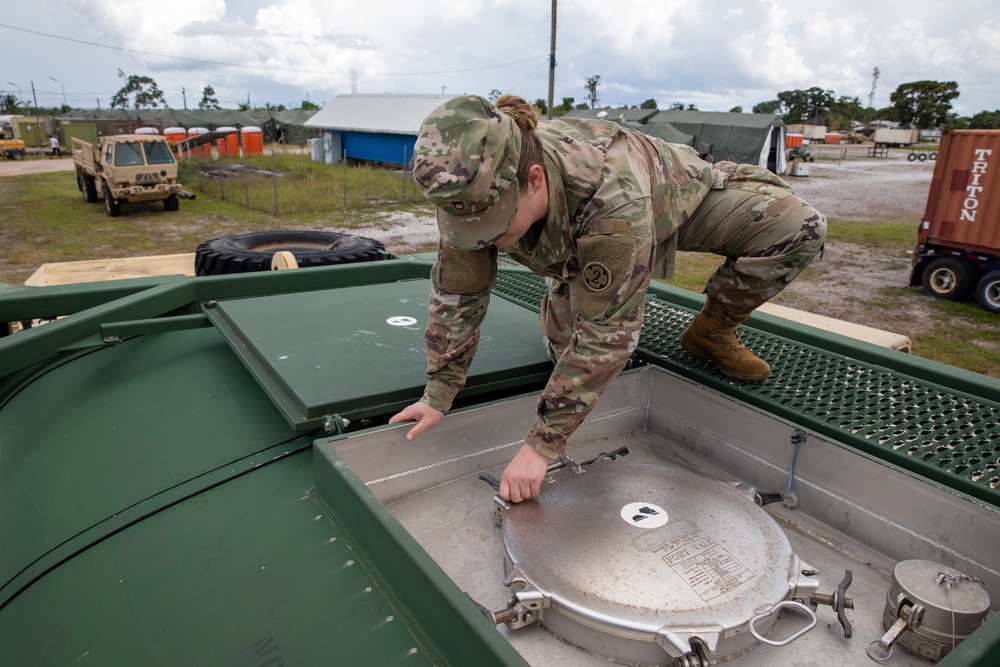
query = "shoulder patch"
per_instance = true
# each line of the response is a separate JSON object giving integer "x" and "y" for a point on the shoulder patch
{"x": 466, "y": 271}
{"x": 607, "y": 263}
{"x": 596, "y": 276}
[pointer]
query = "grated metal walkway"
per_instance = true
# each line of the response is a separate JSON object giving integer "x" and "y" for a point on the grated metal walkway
{"x": 924, "y": 422}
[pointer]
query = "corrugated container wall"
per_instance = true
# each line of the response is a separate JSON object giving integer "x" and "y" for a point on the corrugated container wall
{"x": 379, "y": 147}
{"x": 963, "y": 207}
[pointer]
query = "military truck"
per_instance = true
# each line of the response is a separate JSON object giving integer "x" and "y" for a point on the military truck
{"x": 127, "y": 168}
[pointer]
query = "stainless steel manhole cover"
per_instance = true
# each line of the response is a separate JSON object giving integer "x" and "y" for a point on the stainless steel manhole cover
{"x": 630, "y": 560}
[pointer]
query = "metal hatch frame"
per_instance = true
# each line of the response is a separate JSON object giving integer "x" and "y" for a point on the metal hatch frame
{"x": 294, "y": 346}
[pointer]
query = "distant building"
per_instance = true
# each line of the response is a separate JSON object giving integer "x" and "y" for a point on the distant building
{"x": 377, "y": 128}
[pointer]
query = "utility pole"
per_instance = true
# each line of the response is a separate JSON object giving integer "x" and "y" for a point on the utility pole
{"x": 443, "y": 89}
{"x": 185, "y": 97}
{"x": 552, "y": 62}
{"x": 33, "y": 95}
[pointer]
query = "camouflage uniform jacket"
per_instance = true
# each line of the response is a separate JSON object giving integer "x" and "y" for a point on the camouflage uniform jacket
{"x": 616, "y": 201}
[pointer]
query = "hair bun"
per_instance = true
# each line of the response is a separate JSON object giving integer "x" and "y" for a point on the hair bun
{"x": 518, "y": 109}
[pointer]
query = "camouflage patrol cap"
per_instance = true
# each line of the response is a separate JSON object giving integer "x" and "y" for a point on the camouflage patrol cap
{"x": 465, "y": 161}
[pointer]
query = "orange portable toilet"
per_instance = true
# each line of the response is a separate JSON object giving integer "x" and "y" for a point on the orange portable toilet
{"x": 229, "y": 144}
{"x": 204, "y": 151}
{"x": 146, "y": 130}
{"x": 174, "y": 135}
{"x": 833, "y": 137}
{"x": 253, "y": 141}
{"x": 793, "y": 140}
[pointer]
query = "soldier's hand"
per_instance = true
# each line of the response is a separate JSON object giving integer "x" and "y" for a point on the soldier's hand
{"x": 425, "y": 416}
{"x": 522, "y": 479}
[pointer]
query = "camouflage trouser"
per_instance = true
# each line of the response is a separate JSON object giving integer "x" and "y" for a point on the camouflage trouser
{"x": 766, "y": 233}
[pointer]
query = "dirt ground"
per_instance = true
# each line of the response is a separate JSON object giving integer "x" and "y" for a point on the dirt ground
{"x": 37, "y": 166}
{"x": 843, "y": 183}
{"x": 848, "y": 278}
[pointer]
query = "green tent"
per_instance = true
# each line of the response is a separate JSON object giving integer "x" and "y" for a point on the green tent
{"x": 740, "y": 137}
{"x": 668, "y": 132}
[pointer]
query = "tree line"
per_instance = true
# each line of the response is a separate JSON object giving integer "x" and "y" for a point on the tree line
{"x": 141, "y": 92}
{"x": 918, "y": 104}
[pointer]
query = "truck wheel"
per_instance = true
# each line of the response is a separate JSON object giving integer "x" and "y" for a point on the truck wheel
{"x": 18, "y": 155}
{"x": 988, "y": 292}
{"x": 113, "y": 206}
{"x": 245, "y": 253}
{"x": 948, "y": 278}
{"x": 172, "y": 203}
{"x": 88, "y": 187}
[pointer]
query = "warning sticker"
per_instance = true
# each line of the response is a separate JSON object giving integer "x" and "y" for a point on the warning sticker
{"x": 707, "y": 567}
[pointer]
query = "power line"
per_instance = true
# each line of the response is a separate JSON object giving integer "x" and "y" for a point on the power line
{"x": 259, "y": 67}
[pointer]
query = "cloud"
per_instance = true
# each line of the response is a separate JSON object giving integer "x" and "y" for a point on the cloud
{"x": 715, "y": 54}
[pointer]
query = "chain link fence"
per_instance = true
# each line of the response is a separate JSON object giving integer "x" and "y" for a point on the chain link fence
{"x": 282, "y": 182}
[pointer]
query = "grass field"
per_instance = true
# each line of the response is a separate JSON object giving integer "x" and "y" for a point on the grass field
{"x": 44, "y": 220}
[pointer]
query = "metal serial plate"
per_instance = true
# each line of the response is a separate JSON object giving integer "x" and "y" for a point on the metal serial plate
{"x": 649, "y": 552}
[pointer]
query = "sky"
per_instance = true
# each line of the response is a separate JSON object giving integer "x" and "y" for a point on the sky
{"x": 715, "y": 54}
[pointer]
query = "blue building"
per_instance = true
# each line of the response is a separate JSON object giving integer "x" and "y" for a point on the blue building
{"x": 376, "y": 128}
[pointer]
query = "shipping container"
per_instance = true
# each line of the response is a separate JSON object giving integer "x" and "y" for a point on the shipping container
{"x": 896, "y": 136}
{"x": 810, "y": 132}
{"x": 958, "y": 246}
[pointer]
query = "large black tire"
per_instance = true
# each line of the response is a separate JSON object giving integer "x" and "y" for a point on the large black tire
{"x": 89, "y": 188}
{"x": 172, "y": 203}
{"x": 948, "y": 278}
{"x": 245, "y": 253}
{"x": 988, "y": 292}
{"x": 113, "y": 206}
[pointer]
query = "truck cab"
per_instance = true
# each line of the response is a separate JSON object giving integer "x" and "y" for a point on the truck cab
{"x": 127, "y": 168}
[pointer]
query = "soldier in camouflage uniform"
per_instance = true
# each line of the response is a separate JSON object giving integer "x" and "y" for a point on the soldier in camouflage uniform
{"x": 598, "y": 210}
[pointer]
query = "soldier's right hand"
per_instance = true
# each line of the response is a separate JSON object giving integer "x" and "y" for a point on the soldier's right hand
{"x": 425, "y": 416}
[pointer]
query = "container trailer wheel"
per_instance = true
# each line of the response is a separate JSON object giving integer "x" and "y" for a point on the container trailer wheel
{"x": 948, "y": 278}
{"x": 988, "y": 292}
{"x": 254, "y": 251}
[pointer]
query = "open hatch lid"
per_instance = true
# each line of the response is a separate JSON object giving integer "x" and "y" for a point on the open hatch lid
{"x": 359, "y": 352}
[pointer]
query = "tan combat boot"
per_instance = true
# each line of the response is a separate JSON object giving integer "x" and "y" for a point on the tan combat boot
{"x": 712, "y": 335}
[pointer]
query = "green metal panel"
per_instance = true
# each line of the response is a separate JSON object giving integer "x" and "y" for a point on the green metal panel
{"x": 85, "y": 131}
{"x": 446, "y": 615}
{"x": 250, "y": 572}
{"x": 927, "y": 418}
{"x": 981, "y": 649}
{"x": 359, "y": 351}
{"x": 105, "y": 431}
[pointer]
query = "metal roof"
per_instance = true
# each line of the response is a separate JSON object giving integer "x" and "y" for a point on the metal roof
{"x": 392, "y": 114}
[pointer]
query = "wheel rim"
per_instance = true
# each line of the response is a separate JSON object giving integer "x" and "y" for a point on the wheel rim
{"x": 992, "y": 294}
{"x": 943, "y": 281}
